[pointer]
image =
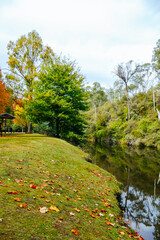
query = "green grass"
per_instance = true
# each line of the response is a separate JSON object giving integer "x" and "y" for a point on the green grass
{"x": 60, "y": 173}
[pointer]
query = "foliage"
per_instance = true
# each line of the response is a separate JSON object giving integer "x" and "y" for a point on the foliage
{"x": 59, "y": 99}
{"x": 5, "y": 97}
{"x": 26, "y": 55}
{"x": 156, "y": 58}
{"x": 20, "y": 117}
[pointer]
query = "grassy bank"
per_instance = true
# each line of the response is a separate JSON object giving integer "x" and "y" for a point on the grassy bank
{"x": 48, "y": 191}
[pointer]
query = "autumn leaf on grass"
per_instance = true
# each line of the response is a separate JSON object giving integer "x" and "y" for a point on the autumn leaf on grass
{"x": 95, "y": 210}
{"x": 122, "y": 233}
{"x": 12, "y": 192}
{"x": 47, "y": 200}
{"x": 77, "y": 210}
{"x": 75, "y": 232}
{"x": 42, "y": 196}
{"x": 92, "y": 216}
{"x": 32, "y": 186}
{"x": 54, "y": 208}
{"x": 72, "y": 214}
{"x": 86, "y": 209}
{"x": 23, "y": 205}
{"x": 43, "y": 209}
{"x": 18, "y": 199}
{"x": 108, "y": 223}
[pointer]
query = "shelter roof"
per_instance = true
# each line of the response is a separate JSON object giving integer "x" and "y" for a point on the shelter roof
{"x": 6, "y": 116}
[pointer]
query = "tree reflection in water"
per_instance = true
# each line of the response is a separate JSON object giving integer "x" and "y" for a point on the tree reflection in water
{"x": 139, "y": 171}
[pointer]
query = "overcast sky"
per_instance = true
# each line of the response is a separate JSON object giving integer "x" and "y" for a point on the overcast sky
{"x": 98, "y": 34}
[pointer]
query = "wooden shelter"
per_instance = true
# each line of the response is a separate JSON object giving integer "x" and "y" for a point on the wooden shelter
{"x": 3, "y": 122}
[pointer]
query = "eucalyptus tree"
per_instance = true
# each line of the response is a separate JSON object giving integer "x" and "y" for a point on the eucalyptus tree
{"x": 97, "y": 96}
{"x": 125, "y": 72}
{"x": 156, "y": 59}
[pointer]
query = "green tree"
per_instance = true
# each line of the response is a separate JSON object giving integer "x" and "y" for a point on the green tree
{"x": 156, "y": 58}
{"x": 26, "y": 56}
{"x": 59, "y": 99}
{"x": 97, "y": 96}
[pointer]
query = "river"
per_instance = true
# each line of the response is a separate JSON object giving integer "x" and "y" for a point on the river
{"x": 139, "y": 172}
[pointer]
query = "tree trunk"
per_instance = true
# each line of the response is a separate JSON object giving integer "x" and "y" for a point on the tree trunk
{"x": 154, "y": 102}
{"x": 29, "y": 127}
{"x": 128, "y": 102}
{"x": 95, "y": 107}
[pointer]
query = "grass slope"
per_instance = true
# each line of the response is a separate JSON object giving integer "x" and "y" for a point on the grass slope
{"x": 79, "y": 200}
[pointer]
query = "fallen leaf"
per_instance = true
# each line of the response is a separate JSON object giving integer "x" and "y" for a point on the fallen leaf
{"x": 23, "y": 205}
{"x": 32, "y": 186}
{"x": 75, "y": 232}
{"x": 47, "y": 200}
{"x": 43, "y": 209}
{"x": 42, "y": 196}
{"x": 54, "y": 208}
{"x": 108, "y": 223}
{"x": 18, "y": 199}
{"x": 77, "y": 210}
{"x": 72, "y": 214}
{"x": 12, "y": 192}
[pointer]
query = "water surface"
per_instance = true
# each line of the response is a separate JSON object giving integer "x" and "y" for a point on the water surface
{"x": 139, "y": 172}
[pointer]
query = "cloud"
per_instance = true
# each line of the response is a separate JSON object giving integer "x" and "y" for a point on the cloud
{"x": 98, "y": 34}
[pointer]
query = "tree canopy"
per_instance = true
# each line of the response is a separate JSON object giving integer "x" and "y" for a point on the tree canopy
{"x": 26, "y": 56}
{"x": 5, "y": 96}
{"x": 59, "y": 99}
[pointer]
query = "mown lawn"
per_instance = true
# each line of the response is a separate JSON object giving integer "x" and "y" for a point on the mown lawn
{"x": 40, "y": 174}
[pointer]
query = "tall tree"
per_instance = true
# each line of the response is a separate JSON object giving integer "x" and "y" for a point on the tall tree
{"x": 156, "y": 58}
{"x": 26, "y": 56}
{"x": 125, "y": 72}
{"x": 4, "y": 96}
{"x": 97, "y": 96}
{"x": 60, "y": 98}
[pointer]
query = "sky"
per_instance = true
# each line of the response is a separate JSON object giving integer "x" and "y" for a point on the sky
{"x": 97, "y": 34}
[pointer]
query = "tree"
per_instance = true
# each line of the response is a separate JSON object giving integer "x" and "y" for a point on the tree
{"x": 4, "y": 96}
{"x": 156, "y": 58}
{"x": 97, "y": 96}
{"x": 142, "y": 77}
{"x": 20, "y": 117}
{"x": 59, "y": 99}
{"x": 26, "y": 56}
{"x": 125, "y": 72}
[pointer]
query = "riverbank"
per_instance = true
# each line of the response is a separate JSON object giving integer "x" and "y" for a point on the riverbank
{"x": 49, "y": 191}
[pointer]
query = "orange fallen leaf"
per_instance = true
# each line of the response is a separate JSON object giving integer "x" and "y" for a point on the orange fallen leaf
{"x": 18, "y": 199}
{"x": 12, "y": 192}
{"x": 92, "y": 215}
{"x": 67, "y": 198}
{"x": 108, "y": 223}
{"x": 86, "y": 209}
{"x": 23, "y": 205}
{"x": 77, "y": 210}
{"x": 95, "y": 210}
{"x": 122, "y": 233}
{"x": 47, "y": 200}
{"x": 42, "y": 196}
{"x": 75, "y": 232}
